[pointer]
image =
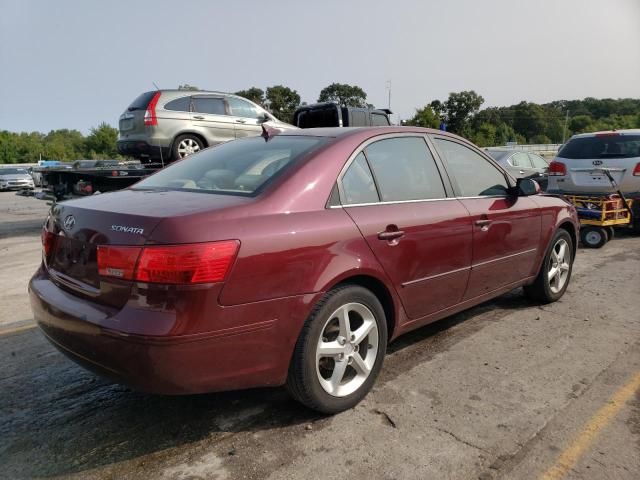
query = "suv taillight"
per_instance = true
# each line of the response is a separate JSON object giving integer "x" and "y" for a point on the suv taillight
{"x": 557, "y": 169}
{"x": 150, "y": 117}
{"x": 171, "y": 264}
{"x": 636, "y": 170}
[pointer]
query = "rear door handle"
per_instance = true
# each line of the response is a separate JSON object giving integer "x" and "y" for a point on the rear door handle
{"x": 241, "y": 121}
{"x": 198, "y": 117}
{"x": 391, "y": 235}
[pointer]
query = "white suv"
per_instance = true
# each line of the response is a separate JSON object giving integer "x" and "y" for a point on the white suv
{"x": 575, "y": 169}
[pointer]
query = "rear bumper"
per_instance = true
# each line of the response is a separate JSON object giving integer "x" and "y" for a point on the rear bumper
{"x": 143, "y": 150}
{"x": 246, "y": 346}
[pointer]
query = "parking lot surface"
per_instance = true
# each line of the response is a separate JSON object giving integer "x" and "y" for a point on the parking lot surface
{"x": 508, "y": 389}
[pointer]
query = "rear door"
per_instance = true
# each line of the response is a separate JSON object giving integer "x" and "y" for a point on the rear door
{"x": 506, "y": 228}
{"x": 394, "y": 192}
{"x": 246, "y": 117}
{"x": 210, "y": 117}
{"x": 520, "y": 165}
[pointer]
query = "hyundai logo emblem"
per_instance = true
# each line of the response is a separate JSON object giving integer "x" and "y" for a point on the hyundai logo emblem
{"x": 69, "y": 222}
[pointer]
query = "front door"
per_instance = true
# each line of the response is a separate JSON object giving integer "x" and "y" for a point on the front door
{"x": 246, "y": 117}
{"x": 394, "y": 193}
{"x": 506, "y": 228}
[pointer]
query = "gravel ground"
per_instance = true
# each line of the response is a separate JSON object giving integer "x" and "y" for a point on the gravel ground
{"x": 501, "y": 391}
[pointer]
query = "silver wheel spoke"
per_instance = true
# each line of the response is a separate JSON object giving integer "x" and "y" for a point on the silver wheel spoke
{"x": 343, "y": 319}
{"x": 330, "y": 349}
{"x": 553, "y": 273}
{"x": 360, "y": 365}
{"x": 559, "y": 267}
{"x": 362, "y": 332}
{"x": 561, "y": 252}
{"x": 338, "y": 374}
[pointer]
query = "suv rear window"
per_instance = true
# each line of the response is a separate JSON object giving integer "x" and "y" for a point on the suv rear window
{"x": 141, "y": 102}
{"x": 241, "y": 167}
{"x": 602, "y": 146}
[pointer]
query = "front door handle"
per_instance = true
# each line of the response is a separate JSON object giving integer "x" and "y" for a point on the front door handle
{"x": 391, "y": 235}
{"x": 198, "y": 117}
{"x": 483, "y": 223}
{"x": 241, "y": 121}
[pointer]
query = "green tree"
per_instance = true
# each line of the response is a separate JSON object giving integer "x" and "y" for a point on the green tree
{"x": 344, "y": 94}
{"x": 424, "y": 117}
{"x": 255, "y": 94}
{"x": 485, "y": 135}
{"x": 102, "y": 141}
{"x": 459, "y": 108}
{"x": 282, "y": 102}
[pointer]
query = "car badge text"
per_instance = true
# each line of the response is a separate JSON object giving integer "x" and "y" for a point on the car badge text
{"x": 125, "y": 229}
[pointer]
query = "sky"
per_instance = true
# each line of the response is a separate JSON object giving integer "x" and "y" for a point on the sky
{"x": 76, "y": 63}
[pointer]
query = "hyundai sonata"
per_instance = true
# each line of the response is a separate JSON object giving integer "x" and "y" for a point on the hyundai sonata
{"x": 292, "y": 258}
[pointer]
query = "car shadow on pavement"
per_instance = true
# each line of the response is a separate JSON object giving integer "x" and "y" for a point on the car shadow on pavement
{"x": 57, "y": 419}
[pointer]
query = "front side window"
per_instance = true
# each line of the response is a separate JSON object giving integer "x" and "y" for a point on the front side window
{"x": 473, "y": 175}
{"x": 404, "y": 169}
{"x": 235, "y": 168}
{"x": 357, "y": 183}
{"x": 242, "y": 108}
{"x": 213, "y": 106}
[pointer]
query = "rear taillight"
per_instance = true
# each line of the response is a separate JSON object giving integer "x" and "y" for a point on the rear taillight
{"x": 636, "y": 170}
{"x": 150, "y": 117}
{"x": 118, "y": 262}
{"x": 557, "y": 169}
{"x": 48, "y": 243}
{"x": 173, "y": 264}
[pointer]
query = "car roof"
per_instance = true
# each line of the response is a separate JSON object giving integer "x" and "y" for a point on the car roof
{"x": 337, "y": 132}
{"x": 630, "y": 131}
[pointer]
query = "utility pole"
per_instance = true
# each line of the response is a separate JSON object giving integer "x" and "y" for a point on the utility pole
{"x": 564, "y": 130}
{"x": 388, "y": 85}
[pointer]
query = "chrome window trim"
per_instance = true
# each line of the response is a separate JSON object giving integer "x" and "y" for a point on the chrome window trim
{"x": 415, "y": 201}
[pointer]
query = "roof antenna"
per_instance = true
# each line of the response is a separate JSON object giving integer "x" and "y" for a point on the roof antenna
{"x": 157, "y": 87}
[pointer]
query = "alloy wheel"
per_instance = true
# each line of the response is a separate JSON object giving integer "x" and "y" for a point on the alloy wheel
{"x": 347, "y": 349}
{"x": 187, "y": 147}
{"x": 559, "y": 267}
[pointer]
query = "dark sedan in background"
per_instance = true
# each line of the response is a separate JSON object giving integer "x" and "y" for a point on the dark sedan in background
{"x": 522, "y": 164}
{"x": 292, "y": 259}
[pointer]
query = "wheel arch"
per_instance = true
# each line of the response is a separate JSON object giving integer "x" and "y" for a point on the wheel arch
{"x": 190, "y": 132}
{"x": 381, "y": 291}
{"x": 572, "y": 231}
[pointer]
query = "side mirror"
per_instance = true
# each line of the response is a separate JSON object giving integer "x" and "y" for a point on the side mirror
{"x": 525, "y": 187}
{"x": 263, "y": 118}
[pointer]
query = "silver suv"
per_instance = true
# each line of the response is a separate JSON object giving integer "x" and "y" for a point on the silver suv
{"x": 167, "y": 125}
{"x": 575, "y": 168}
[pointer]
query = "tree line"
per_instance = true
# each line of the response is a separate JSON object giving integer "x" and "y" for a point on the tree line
{"x": 460, "y": 113}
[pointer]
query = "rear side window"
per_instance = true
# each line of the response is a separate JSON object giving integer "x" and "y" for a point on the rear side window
{"x": 141, "y": 102}
{"x": 537, "y": 161}
{"x": 520, "y": 160}
{"x": 357, "y": 183}
{"x": 235, "y": 168}
{"x": 404, "y": 169}
{"x": 602, "y": 146}
{"x": 378, "y": 120}
{"x": 214, "y": 106}
{"x": 242, "y": 108}
{"x": 179, "y": 104}
{"x": 472, "y": 174}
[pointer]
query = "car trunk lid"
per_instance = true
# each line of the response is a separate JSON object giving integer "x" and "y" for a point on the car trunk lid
{"x": 125, "y": 218}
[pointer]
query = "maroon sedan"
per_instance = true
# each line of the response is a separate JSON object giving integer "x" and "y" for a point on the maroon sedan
{"x": 292, "y": 259}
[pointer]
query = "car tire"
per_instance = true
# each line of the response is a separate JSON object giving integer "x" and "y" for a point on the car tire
{"x": 324, "y": 373}
{"x": 555, "y": 273}
{"x": 593, "y": 237}
{"x": 611, "y": 233}
{"x": 185, "y": 145}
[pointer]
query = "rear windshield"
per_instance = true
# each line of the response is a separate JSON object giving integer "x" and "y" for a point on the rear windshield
{"x": 141, "y": 102}
{"x": 318, "y": 117}
{"x": 12, "y": 171}
{"x": 605, "y": 146}
{"x": 239, "y": 167}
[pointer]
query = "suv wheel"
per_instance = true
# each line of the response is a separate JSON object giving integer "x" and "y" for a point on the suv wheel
{"x": 340, "y": 350}
{"x": 185, "y": 145}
